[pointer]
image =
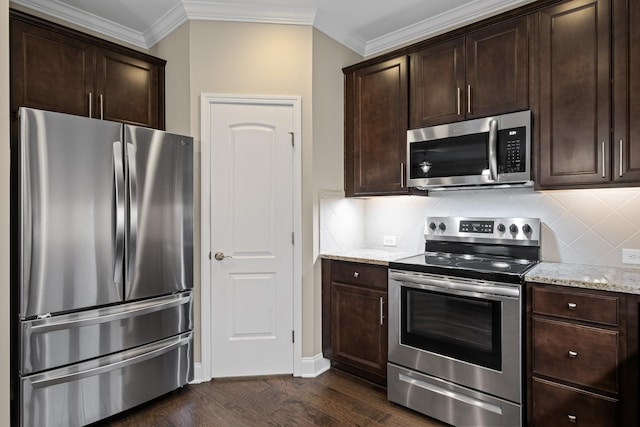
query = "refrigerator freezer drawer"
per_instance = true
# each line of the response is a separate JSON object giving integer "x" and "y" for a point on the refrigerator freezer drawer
{"x": 90, "y": 391}
{"x": 71, "y": 338}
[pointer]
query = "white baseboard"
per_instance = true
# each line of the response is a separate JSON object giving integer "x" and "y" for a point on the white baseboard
{"x": 197, "y": 374}
{"x": 313, "y": 366}
{"x": 310, "y": 367}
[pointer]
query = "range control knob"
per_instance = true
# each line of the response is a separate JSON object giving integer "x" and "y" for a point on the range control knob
{"x": 501, "y": 228}
{"x": 526, "y": 229}
{"x": 513, "y": 228}
{"x": 432, "y": 226}
{"x": 442, "y": 226}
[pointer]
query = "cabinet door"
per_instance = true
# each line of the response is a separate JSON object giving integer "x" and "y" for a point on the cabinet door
{"x": 497, "y": 69}
{"x": 573, "y": 61}
{"x": 359, "y": 327}
{"x": 49, "y": 70}
{"x": 127, "y": 89}
{"x": 376, "y": 129}
{"x": 438, "y": 84}
{"x": 626, "y": 98}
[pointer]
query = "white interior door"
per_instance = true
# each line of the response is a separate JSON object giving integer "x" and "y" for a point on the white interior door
{"x": 252, "y": 225}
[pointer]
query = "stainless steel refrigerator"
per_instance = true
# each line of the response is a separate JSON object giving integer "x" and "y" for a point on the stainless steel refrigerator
{"x": 106, "y": 267}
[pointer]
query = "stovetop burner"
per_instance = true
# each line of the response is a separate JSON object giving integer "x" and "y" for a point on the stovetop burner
{"x": 478, "y": 248}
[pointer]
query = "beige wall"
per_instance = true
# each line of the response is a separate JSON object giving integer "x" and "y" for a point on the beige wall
{"x": 266, "y": 59}
{"x": 329, "y": 57}
{"x": 4, "y": 212}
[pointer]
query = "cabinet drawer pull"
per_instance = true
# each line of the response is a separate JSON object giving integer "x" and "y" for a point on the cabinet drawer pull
{"x": 572, "y": 306}
{"x": 621, "y": 158}
{"x": 573, "y": 419}
{"x": 356, "y": 274}
{"x": 603, "y": 160}
{"x": 573, "y": 354}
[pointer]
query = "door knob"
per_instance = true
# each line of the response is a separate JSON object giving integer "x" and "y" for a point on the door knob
{"x": 219, "y": 256}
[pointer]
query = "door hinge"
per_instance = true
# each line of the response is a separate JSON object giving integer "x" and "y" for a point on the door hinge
{"x": 292, "y": 139}
{"x": 293, "y": 238}
{"x": 293, "y": 336}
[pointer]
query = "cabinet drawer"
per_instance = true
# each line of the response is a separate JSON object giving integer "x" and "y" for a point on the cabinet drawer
{"x": 576, "y": 305}
{"x": 579, "y": 354}
{"x": 557, "y": 405}
{"x": 359, "y": 274}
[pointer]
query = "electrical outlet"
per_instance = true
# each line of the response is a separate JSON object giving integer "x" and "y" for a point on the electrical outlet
{"x": 631, "y": 256}
{"x": 389, "y": 240}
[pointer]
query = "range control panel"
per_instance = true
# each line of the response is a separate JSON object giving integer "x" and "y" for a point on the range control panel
{"x": 517, "y": 231}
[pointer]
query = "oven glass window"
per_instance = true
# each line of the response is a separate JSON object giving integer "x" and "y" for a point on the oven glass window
{"x": 463, "y": 328}
{"x": 453, "y": 156}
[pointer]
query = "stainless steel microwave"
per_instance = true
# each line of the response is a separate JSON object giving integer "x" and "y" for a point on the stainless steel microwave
{"x": 492, "y": 151}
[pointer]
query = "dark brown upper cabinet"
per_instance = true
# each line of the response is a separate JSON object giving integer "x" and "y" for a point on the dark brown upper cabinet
{"x": 59, "y": 69}
{"x": 626, "y": 92}
{"x": 376, "y": 120}
{"x": 482, "y": 73}
{"x": 572, "y": 58}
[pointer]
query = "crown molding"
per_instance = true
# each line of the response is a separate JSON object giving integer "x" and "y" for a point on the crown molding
{"x": 460, "y": 16}
{"x": 221, "y": 11}
{"x": 86, "y": 20}
{"x": 334, "y": 29}
{"x": 225, "y": 11}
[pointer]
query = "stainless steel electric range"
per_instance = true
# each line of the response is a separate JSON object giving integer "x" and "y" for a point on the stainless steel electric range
{"x": 456, "y": 320}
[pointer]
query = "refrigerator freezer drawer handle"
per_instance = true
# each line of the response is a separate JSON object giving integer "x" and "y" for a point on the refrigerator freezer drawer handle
{"x": 118, "y": 172}
{"x": 111, "y": 315}
{"x": 133, "y": 212}
{"x": 131, "y": 358}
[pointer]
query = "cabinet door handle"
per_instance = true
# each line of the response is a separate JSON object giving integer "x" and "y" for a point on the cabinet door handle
{"x": 381, "y": 311}
{"x": 573, "y": 354}
{"x": 603, "y": 162}
{"x": 573, "y": 419}
{"x": 101, "y": 108}
{"x": 458, "y": 95}
{"x": 572, "y": 306}
{"x": 90, "y": 106}
{"x": 468, "y": 99}
{"x": 621, "y": 158}
{"x": 356, "y": 274}
{"x": 402, "y": 175}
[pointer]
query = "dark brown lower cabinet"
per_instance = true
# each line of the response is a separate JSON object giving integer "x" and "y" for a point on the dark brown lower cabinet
{"x": 354, "y": 312}
{"x": 581, "y": 357}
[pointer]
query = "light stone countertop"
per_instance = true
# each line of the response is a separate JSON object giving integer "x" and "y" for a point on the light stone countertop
{"x": 614, "y": 279}
{"x": 367, "y": 255}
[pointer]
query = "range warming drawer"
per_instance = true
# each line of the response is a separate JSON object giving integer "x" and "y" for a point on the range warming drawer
{"x": 72, "y": 338}
{"x": 449, "y": 402}
{"x": 81, "y": 394}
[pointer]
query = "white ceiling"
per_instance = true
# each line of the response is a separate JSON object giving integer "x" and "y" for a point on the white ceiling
{"x": 368, "y": 27}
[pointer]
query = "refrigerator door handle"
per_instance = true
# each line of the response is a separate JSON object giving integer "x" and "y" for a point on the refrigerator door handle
{"x": 118, "y": 172}
{"x": 114, "y": 362}
{"x": 133, "y": 212}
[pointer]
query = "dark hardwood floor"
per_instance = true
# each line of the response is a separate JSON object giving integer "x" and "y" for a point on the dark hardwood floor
{"x": 332, "y": 399}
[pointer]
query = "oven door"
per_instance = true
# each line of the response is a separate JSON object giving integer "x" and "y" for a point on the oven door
{"x": 460, "y": 330}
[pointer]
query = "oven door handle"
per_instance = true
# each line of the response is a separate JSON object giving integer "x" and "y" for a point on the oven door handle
{"x": 443, "y": 283}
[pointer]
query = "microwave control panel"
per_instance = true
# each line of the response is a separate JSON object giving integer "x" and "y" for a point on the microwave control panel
{"x": 512, "y": 150}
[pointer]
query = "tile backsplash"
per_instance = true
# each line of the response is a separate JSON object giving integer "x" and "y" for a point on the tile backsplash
{"x": 579, "y": 226}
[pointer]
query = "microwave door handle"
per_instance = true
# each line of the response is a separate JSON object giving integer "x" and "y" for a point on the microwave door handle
{"x": 493, "y": 150}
